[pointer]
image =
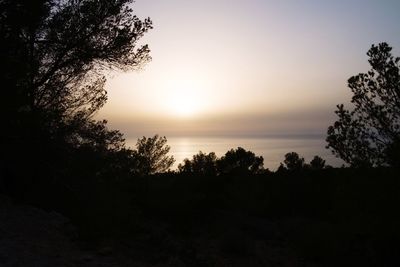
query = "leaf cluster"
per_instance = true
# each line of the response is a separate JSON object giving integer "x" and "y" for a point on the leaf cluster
{"x": 368, "y": 134}
{"x": 234, "y": 161}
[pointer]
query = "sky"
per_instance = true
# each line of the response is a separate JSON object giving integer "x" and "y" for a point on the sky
{"x": 247, "y": 67}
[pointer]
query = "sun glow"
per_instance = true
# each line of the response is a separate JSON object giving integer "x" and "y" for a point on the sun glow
{"x": 184, "y": 99}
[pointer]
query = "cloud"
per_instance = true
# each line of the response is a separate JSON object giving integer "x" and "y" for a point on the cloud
{"x": 313, "y": 122}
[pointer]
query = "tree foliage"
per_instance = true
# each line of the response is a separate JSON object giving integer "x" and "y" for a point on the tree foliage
{"x": 54, "y": 54}
{"x": 201, "y": 163}
{"x": 293, "y": 162}
{"x": 151, "y": 155}
{"x": 317, "y": 163}
{"x": 240, "y": 160}
{"x": 369, "y": 134}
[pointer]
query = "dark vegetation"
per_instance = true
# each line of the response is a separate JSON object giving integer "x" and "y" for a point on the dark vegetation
{"x": 234, "y": 161}
{"x": 369, "y": 134}
{"x": 212, "y": 211}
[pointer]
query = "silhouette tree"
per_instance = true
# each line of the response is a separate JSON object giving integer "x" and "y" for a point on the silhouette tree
{"x": 54, "y": 56}
{"x": 293, "y": 162}
{"x": 281, "y": 168}
{"x": 369, "y": 135}
{"x": 204, "y": 164}
{"x": 151, "y": 155}
{"x": 317, "y": 163}
{"x": 240, "y": 161}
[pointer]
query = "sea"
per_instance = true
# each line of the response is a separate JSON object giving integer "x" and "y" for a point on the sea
{"x": 272, "y": 148}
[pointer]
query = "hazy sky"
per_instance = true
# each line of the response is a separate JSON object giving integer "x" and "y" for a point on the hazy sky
{"x": 255, "y": 67}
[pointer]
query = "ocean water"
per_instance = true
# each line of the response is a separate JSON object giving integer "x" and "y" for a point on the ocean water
{"x": 272, "y": 149}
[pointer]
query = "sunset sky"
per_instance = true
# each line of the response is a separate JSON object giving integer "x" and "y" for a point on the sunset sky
{"x": 247, "y": 67}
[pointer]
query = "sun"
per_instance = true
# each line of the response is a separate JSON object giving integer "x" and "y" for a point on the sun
{"x": 184, "y": 99}
{"x": 183, "y": 106}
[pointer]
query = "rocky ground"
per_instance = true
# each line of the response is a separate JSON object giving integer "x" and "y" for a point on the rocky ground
{"x": 33, "y": 237}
